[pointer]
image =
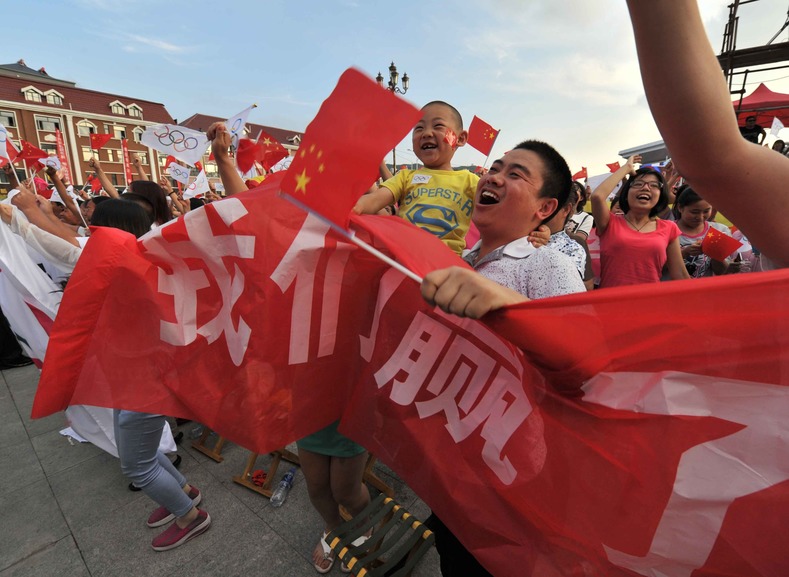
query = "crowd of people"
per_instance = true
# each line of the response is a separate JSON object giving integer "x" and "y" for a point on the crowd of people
{"x": 533, "y": 233}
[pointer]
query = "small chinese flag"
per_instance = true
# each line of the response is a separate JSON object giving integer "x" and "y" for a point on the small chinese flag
{"x": 95, "y": 183}
{"x": 450, "y": 137}
{"x": 199, "y": 166}
{"x": 168, "y": 161}
{"x": 718, "y": 245}
{"x": 482, "y": 135}
{"x": 210, "y": 156}
{"x": 614, "y": 166}
{"x": 30, "y": 152}
{"x": 99, "y": 140}
{"x": 247, "y": 153}
{"x": 342, "y": 147}
{"x": 273, "y": 151}
{"x": 580, "y": 174}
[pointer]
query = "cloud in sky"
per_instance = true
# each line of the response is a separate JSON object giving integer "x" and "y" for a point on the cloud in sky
{"x": 155, "y": 43}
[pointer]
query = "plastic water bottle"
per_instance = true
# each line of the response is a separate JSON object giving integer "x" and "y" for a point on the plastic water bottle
{"x": 281, "y": 492}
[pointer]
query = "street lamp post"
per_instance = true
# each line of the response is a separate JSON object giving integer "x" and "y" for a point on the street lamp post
{"x": 394, "y": 78}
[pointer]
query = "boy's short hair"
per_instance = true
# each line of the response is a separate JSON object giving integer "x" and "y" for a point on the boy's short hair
{"x": 454, "y": 111}
{"x": 747, "y": 118}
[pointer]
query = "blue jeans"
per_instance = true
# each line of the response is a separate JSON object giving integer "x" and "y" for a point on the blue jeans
{"x": 137, "y": 436}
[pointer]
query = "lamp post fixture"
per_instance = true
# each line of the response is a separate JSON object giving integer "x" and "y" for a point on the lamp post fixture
{"x": 392, "y": 85}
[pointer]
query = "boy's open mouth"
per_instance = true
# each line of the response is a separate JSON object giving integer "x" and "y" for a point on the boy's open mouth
{"x": 488, "y": 197}
{"x": 429, "y": 146}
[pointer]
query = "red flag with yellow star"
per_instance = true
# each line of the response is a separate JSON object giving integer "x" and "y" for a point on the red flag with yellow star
{"x": 718, "y": 245}
{"x": 273, "y": 151}
{"x": 482, "y": 135}
{"x": 342, "y": 147}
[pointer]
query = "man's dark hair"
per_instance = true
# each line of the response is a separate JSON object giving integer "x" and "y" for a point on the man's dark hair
{"x": 454, "y": 111}
{"x": 747, "y": 118}
{"x": 557, "y": 179}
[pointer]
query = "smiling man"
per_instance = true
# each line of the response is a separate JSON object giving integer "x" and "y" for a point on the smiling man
{"x": 521, "y": 191}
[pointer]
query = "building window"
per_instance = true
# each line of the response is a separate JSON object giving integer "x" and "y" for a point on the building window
{"x": 87, "y": 153}
{"x": 85, "y": 128}
{"x": 53, "y": 98}
{"x": 137, "y": 132}
{"x": 119, "y": 132}
{"x": 135, "y": 111}
{"x": 48, "y": 123}
{"x": 50, "y": 149}
{"x": 141, "y": 155}
{"x": 7, "y": 119}
{"x": 32, "y": 95}
{"x": 118, "y": 108}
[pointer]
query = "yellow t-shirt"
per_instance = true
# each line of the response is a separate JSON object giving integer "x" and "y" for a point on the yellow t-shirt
{"x": 438, "y": 201}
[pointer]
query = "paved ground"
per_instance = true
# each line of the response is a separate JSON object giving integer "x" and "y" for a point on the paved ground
{"x": 65, "y": 509}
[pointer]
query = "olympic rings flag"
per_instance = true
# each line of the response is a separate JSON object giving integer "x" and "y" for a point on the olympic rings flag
{"x": 178, "y": 172}
{"x": 235, "y": 125}
{"x": 184, "y": 144}
{"x": 198, "y": 187}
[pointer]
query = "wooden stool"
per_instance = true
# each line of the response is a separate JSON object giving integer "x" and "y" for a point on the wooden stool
{"x": 214, "y": 453}
{"x": 398, "y": 540}
{"x": 245, "y": 478}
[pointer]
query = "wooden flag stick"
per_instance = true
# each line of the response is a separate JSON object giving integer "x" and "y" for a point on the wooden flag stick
{"x": 351, "y": 236}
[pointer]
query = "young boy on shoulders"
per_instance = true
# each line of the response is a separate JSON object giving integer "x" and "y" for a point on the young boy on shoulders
{"x": 434, "y": 198}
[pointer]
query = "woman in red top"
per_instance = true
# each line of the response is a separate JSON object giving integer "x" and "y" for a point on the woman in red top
{"x": 635, "y": 246}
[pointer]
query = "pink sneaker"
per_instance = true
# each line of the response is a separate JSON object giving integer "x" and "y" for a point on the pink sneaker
{"x": 174, "y": 536}
{"x": 162, "y": 515}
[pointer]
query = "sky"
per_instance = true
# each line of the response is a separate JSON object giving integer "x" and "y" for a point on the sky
{"x": 563, "y": 71}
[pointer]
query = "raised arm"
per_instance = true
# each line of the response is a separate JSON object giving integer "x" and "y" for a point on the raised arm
{"x": 220, "y": 143}
{"x": 139, "y": 168}
{"x": 38, "y": 211}
{"x": 600, "y": 210}
{"x": 69, "y": 202}
{"x": 747, "y": 183}
{"x": 108, "y": 187}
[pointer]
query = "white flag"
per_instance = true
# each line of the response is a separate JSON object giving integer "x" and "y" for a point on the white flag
{"x": 178, "y": 172}
{"x": 235, "y": 125}
{"x": 776, "y": 127}
{"x": 4, "y": 143}
{"x": 183, "y": 143}
{"x": 50, "y": 161}
{"x": 199, "y": 186}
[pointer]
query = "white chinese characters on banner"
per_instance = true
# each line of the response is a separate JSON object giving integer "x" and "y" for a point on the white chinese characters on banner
{"x": 178, "y": 172}
{"x": 235, "y": 125}
{"x": 184, "y": 282}
{"x": 198, "y": 187}
{"x": 183, "y": 143}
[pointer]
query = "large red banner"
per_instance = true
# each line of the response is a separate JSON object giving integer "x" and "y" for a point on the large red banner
{"x": 631, "y": 431}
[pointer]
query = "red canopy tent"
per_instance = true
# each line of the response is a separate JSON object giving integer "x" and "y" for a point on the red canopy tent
{"x": 765, "y": 105}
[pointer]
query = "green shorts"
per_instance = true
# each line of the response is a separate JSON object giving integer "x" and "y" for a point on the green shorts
{"x": 328, "y": 441}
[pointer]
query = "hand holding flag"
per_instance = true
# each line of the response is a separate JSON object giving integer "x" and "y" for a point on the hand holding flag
{"x": 235, "y": 126}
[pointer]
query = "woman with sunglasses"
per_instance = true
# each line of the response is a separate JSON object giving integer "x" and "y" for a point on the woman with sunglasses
{"x": 635, "y": 246}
